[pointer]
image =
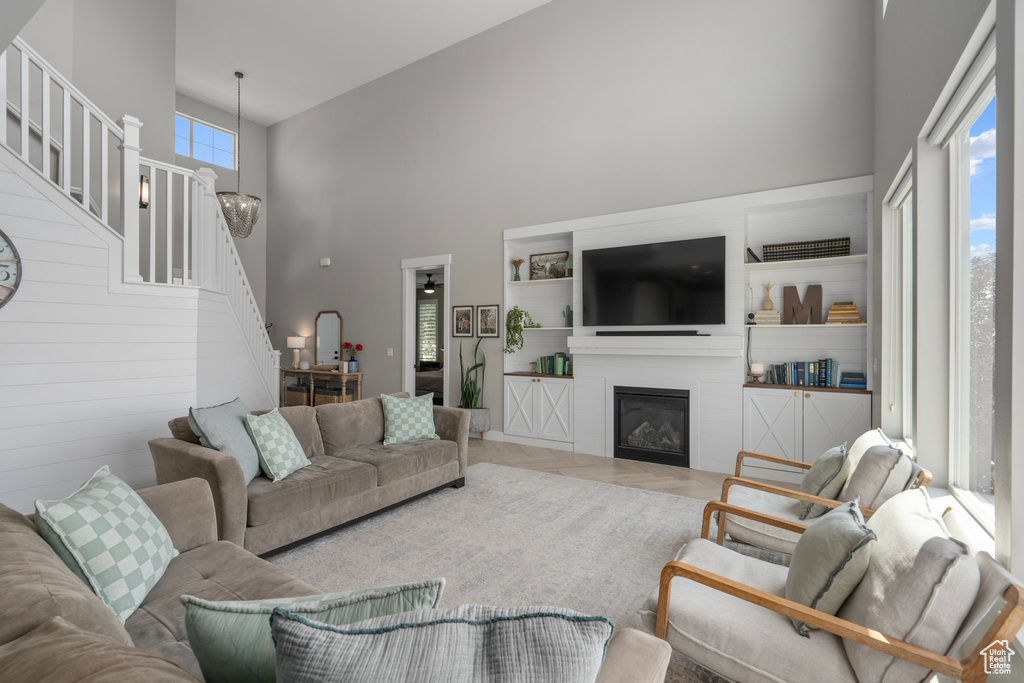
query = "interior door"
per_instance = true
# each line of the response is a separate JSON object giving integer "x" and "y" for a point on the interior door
{"x": 520, "y": 405}
{"x": 833, "y": 418}
{"x": 555, "y": 417}
{"x": 772, "y": 423}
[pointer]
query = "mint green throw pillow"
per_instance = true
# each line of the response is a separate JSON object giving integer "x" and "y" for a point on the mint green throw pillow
{"x": 232, "y": 639}
{"x": 408, "y": 419}
{"x": 109, "y": 538}
{"x": 222, "y": 428}
{"x": 278, "y": 448}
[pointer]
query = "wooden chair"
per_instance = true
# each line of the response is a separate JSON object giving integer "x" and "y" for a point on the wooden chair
{"x": 995, "y": 583}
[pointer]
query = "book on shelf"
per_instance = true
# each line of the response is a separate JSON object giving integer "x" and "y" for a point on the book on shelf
{"x": 767, "y": 317}
{"x": 557, "y": 364}
{"x": 824, "y": 372}
{"x": 843, "y": 312}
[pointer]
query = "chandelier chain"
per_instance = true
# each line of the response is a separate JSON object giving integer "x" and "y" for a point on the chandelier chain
{"x": 238, "y": 135}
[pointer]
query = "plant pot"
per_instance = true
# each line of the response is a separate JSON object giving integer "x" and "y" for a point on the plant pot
{"x": 353, "y": 365}
{"x": 479, "y": 421}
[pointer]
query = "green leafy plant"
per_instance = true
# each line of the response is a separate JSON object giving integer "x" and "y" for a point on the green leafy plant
{"x": 473, "y": 378}
{"x": 515, "y": 321}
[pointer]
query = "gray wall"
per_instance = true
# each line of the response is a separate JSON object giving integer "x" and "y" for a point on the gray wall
{"x": 578, "y": 108}
{"x": 252, "y": 249}
{"x": 120, "y": 54}
{"x": 917, "y": 46}
{"x": 16, "y": 13}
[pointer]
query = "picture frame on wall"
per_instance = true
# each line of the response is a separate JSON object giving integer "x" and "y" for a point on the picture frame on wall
{"x": 549, "y": 266}
{"x": 487, "y": 321}
{"x": 462, "y": 321}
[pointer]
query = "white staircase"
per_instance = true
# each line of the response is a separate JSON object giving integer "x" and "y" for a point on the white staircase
{"x": 180, "y": 240}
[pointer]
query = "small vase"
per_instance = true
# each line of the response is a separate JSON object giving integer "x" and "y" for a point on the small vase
{"x": 353, "y": 365}
{"x": 516, "y": 277}
{"x": 768, "y": 303}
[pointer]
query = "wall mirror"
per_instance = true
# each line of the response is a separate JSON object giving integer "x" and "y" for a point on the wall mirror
{"x": 328, "y": 338}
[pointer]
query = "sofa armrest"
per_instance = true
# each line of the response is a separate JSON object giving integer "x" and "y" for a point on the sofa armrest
{"x": 186, "y": 509}
{"x": 635, "y": 657}
{"x": 175, "y": 460}
{"x": 452, "y": 424}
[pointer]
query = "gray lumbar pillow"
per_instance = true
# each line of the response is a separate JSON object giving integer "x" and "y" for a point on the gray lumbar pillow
{"x": 883, "y": 471}
{"x": 829, "y": 561}
{"x": 222, "y": 428}
{"x": 825, "y": 478}
{"x": 468, "y": 643}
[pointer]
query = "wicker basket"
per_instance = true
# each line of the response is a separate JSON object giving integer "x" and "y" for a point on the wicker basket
{"x": 296, "y": 395}
{"x": 323, "y": 395}
{"x": 794, "y": 251}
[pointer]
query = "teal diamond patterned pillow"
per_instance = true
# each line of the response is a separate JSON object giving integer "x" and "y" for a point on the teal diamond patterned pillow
{"x": 408, "y": 419}
{"x": 278, "y": 448}
{"x": 109, "y": 537}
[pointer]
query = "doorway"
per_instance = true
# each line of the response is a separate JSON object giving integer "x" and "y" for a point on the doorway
{"x": 425, "y": 330}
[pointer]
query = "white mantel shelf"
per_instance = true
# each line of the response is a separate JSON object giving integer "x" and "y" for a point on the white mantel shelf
{"x": 722, "y": 346}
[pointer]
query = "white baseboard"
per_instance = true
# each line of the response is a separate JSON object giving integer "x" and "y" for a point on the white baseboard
{"x": 540, "y": 443}
{"x": 493, "y": 435}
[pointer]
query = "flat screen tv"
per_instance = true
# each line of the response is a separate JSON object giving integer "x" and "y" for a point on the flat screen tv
{"x": 669, "y": 283}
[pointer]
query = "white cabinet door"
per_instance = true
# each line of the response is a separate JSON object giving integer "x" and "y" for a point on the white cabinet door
{"x": 833, "y": 418}
{"x": 520, "y": 405}
{"x": 772, "y": 422}
{"x": 554, "y": 419}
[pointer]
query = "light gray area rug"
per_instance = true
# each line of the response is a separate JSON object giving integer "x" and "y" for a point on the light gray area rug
{"x": 515, "y": 537}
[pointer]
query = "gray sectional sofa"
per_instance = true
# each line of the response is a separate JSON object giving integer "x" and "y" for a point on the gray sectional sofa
{"x": 352, "y": 473}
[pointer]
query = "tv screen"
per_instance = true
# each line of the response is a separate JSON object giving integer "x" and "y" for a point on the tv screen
{"x": 669, "y": 283}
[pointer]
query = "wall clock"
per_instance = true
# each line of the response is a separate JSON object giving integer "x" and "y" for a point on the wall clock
{"x": 10, "y": 269}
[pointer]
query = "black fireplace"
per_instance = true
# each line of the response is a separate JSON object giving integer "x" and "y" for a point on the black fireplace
{"x": 653, "y": 425}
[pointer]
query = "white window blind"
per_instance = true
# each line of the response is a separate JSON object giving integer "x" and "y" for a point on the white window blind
{"x": 426, "y": 323}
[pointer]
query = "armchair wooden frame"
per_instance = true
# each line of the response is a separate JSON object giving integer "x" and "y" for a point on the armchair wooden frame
{"x": 970, "y": 670}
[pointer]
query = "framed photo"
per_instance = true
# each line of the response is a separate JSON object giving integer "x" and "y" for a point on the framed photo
{"x": 487, "y": 321}
{"x": 462, "y": 321}
{"x": 548, "y": 266}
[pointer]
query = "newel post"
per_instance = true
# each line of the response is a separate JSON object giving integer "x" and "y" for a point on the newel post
{"x": 206, "y": 230}
{"x": 130, "y": 196}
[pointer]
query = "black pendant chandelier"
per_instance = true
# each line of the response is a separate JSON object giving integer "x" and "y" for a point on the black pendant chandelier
{"x": 240, "y": 210}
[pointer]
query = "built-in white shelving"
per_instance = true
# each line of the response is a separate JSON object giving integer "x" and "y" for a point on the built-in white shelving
{"x": 549, "y": 281}
{"x": 797, "y": 328}
{"x": 546, "y": 329}
{"x": 808, "y": 263}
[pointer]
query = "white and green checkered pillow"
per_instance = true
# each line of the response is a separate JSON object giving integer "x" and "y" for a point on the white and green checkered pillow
{"x": 408, "y": 419}
{"x": 114, "y": 540}
{"x": 279, "y": 449}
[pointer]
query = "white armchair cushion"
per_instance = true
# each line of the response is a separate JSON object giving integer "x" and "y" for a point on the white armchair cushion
{"x": 738, "y": 639}
{"x": 758, "y": 533}
{"x": 826, "y": 478}
{"x": 919, "y": 587}
{"x": 883, "y": 471}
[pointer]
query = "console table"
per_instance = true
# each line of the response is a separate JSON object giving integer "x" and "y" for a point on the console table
{"x": 328, "y": 376}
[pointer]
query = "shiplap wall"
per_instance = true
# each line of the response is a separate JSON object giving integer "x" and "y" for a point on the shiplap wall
{"x": 91, "y": 371}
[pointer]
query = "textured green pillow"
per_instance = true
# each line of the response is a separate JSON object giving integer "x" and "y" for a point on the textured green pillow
{"x": 279, "y": 450}
{"x": 222, "y": 428}
{"x": 110, "y": 538}
{"x": 829, "y": 561}
{"x": 232, "y": 639}
{"x": 408, "y": 419}
{"x": 825, "y": 478}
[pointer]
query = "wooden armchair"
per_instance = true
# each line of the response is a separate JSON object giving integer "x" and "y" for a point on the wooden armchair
{"x": 728, "y": 638}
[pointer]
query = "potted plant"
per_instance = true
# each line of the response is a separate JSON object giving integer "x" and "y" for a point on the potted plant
{"x": 353, "y": 364}
{"x": 472, "y": 390}
{"x": 515, "y": 321}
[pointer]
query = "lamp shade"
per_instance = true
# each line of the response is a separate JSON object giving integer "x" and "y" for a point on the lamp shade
{"x": 296, "y": 342}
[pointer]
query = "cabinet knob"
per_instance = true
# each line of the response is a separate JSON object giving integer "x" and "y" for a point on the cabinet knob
{"x": 798, "y": 393}
{"x": 807, "y": 395}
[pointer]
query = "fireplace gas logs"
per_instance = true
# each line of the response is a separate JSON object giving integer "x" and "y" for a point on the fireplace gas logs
{"x": 664, "y": 438}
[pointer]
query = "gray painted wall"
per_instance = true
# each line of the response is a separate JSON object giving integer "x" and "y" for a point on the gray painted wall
{"x": 252, "y": 249}
{"x": 120, "y": 54}
{"x": 578, "y": 108}
{"x": 917, "y": 46}
{"x": 16, "y": 13}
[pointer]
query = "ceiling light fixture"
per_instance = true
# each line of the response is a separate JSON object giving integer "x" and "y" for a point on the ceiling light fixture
{"x": 428, "y": 288}
{"x": 240, "y": 210}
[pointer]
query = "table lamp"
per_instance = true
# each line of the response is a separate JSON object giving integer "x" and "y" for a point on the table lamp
{"x": 757, "y": 371}
{"x": 297, "y": 343}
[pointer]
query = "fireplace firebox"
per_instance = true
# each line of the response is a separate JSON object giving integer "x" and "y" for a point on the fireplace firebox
{"x": 652, "y": 425}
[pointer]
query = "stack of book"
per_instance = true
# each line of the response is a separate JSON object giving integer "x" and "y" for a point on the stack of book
{"x": 853, "y": 380}
{"x": 843, "y": 312}
{"x": 815, "y": 373}
{"x": 767, "y": 318}
{"x": 557, "y": 364}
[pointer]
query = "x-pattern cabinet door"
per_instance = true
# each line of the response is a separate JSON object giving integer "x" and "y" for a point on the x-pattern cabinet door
{"x": 772, "y": 422}
{"x": 555, "y": 417}
{"x": 833, "y": 418}
{"x": 520, "y": 405}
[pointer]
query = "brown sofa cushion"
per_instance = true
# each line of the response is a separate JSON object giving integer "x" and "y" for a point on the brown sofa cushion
{"x": 59, "y": 651}
{"x": 326, "y": 480}
{"x": 216, "y": 571}
{"x": 181, "y": 429}
{"x": 347, "y": 425}
{"x": 401, "y": 460}
{"x": 302, "y": 420}
{"x": 44, "y": 586}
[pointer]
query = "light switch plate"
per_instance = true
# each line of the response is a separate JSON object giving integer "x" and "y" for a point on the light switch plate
{"x": 391, "y": 352}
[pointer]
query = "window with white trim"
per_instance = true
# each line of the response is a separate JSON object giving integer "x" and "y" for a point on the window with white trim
{"x": 972, "y": 286}
{"x": 203, "y": 141}
{"x": 426, "y": 327}
{"x": 899, "y": 321}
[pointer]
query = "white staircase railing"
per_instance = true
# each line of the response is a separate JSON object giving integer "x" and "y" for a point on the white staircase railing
{"x": 179, "y": 239}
